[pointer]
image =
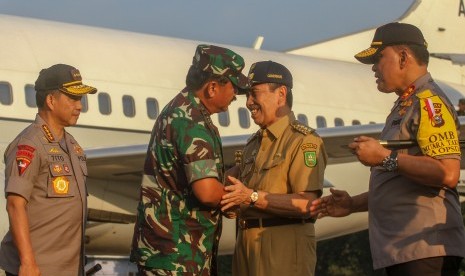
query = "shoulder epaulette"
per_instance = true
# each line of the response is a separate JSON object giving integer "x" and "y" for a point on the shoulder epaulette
{"x": 302, "y": 128}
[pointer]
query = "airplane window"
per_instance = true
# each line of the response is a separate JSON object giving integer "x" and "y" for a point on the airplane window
{"x": 152, "y": 108}
{"x": 320, "y": 121}
{"x": 244, "y": 117}
{"x": 303, "y": 119}
{"x": 104, "y": 103}
{"x": 85, "y": 104}
{"x": 6, "y": 95}
{"x": 223, "y": 118}
{"x": 338, "y": 122}
{"x": 30, "y": 95}
{"x": 129, "y": 108}
{"x": 356, "y": 122}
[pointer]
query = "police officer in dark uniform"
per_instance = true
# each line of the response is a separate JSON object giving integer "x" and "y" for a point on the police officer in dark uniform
{"x": 45, "y": 183}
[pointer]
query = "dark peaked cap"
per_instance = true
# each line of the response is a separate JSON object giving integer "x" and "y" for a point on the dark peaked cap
{"x": 391, "y": 34}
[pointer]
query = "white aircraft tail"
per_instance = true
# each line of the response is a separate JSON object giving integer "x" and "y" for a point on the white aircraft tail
{"x": 441, "y": 21}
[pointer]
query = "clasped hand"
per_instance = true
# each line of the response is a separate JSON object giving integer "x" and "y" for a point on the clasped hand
{"x": 236, "y": 194}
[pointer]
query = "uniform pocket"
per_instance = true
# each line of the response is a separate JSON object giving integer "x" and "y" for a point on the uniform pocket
{"x": 273, "y": 163}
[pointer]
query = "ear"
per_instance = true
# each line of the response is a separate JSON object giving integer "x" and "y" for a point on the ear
{"x": 50, "y": 101}
{"x": 282, "y": 93}
{"x": 212, "y": 89}
{"x": 403, "y": 56}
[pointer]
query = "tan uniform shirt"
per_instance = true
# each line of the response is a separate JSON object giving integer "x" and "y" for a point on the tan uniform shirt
{"x": 51, "y": 177}
{"x": 290, "y": 158}
{"x": 407, "y": 220}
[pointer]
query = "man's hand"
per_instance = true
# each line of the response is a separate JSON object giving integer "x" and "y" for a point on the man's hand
{"x": 369, "y": 151}
{"x": 338, "y": 204}
{"x": 236, "y": 193}
{"x": 232, "y": 212}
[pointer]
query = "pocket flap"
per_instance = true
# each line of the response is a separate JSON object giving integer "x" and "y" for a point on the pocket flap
{"x": 273, "y": 163}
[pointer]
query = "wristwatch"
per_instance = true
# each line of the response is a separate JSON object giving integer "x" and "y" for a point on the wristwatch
{"x": 390, "y": 162}
{"x": 253, "y": 197}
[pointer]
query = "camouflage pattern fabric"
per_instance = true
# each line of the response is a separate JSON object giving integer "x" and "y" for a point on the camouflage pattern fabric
{"x": 221, "y": 61}
{"x": 174, "y": 231}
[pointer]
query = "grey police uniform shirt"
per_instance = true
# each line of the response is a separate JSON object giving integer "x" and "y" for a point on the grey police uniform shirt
{"x": 407, "y": 220}
{"x": 52, "y": 180}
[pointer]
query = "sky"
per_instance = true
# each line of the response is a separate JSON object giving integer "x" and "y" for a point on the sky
{"x": 283, "y": 24}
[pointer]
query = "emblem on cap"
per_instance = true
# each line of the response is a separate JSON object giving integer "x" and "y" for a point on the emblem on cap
{"x": 76, "y": 75}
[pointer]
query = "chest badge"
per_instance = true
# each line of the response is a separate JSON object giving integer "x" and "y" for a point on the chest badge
{"x": 60, "y": 185}
{"x": 57, "y": 168}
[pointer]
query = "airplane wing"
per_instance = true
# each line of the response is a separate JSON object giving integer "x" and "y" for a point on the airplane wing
{"x": 458, "y": 59}
{"x": 125, "y": 163}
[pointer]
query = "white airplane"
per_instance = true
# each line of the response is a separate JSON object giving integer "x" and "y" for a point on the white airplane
{"x": 137, "y": 74}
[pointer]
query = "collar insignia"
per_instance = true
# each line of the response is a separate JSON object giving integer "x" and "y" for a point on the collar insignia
{"x": 48, "y": 133}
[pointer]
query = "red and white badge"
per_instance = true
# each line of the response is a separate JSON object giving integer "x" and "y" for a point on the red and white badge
{"x": 24, "y": 156}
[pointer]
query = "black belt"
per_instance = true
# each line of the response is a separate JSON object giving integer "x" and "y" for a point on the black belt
{"x": 270, "y": 222}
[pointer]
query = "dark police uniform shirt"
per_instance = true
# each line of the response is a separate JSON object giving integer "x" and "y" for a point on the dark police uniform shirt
{"x": 51, "y": 178}
{"x": 408, "y": 220}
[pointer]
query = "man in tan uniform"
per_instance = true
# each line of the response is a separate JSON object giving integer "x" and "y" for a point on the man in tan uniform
{"x": 415, "y": 224}
{"x": 45, "y": 183}
{"x": 282, "y": 169}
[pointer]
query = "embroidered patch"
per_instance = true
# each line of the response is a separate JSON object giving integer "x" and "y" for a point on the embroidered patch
{"x": 57, "y": 168}
{"x": 23, "y": 163}
{"x": 60, "y": 185}
{"x": 66, "y": 168}
{"x": 308, "y": 146}
{"x": 54, "y": 150}
{"x": 437, "y": 133}
{"x": 434, "y": 111}
{"x": 310, "y": 158}
{"x": 24, "y": 156}
{"x": 26, "y": 148}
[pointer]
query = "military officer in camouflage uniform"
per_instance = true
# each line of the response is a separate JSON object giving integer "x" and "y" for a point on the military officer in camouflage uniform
{"x": 45, "y": 183}
{"x": 178, "y": 218}
{"x": 282, "y": 169}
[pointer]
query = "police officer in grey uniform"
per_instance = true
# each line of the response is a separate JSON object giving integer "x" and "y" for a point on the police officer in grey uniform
{"x": 45, "y": 183}
{"x": 414, "y": 219}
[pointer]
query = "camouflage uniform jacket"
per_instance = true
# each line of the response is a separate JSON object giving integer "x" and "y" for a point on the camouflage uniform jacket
{"x": 174, "y": 231}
